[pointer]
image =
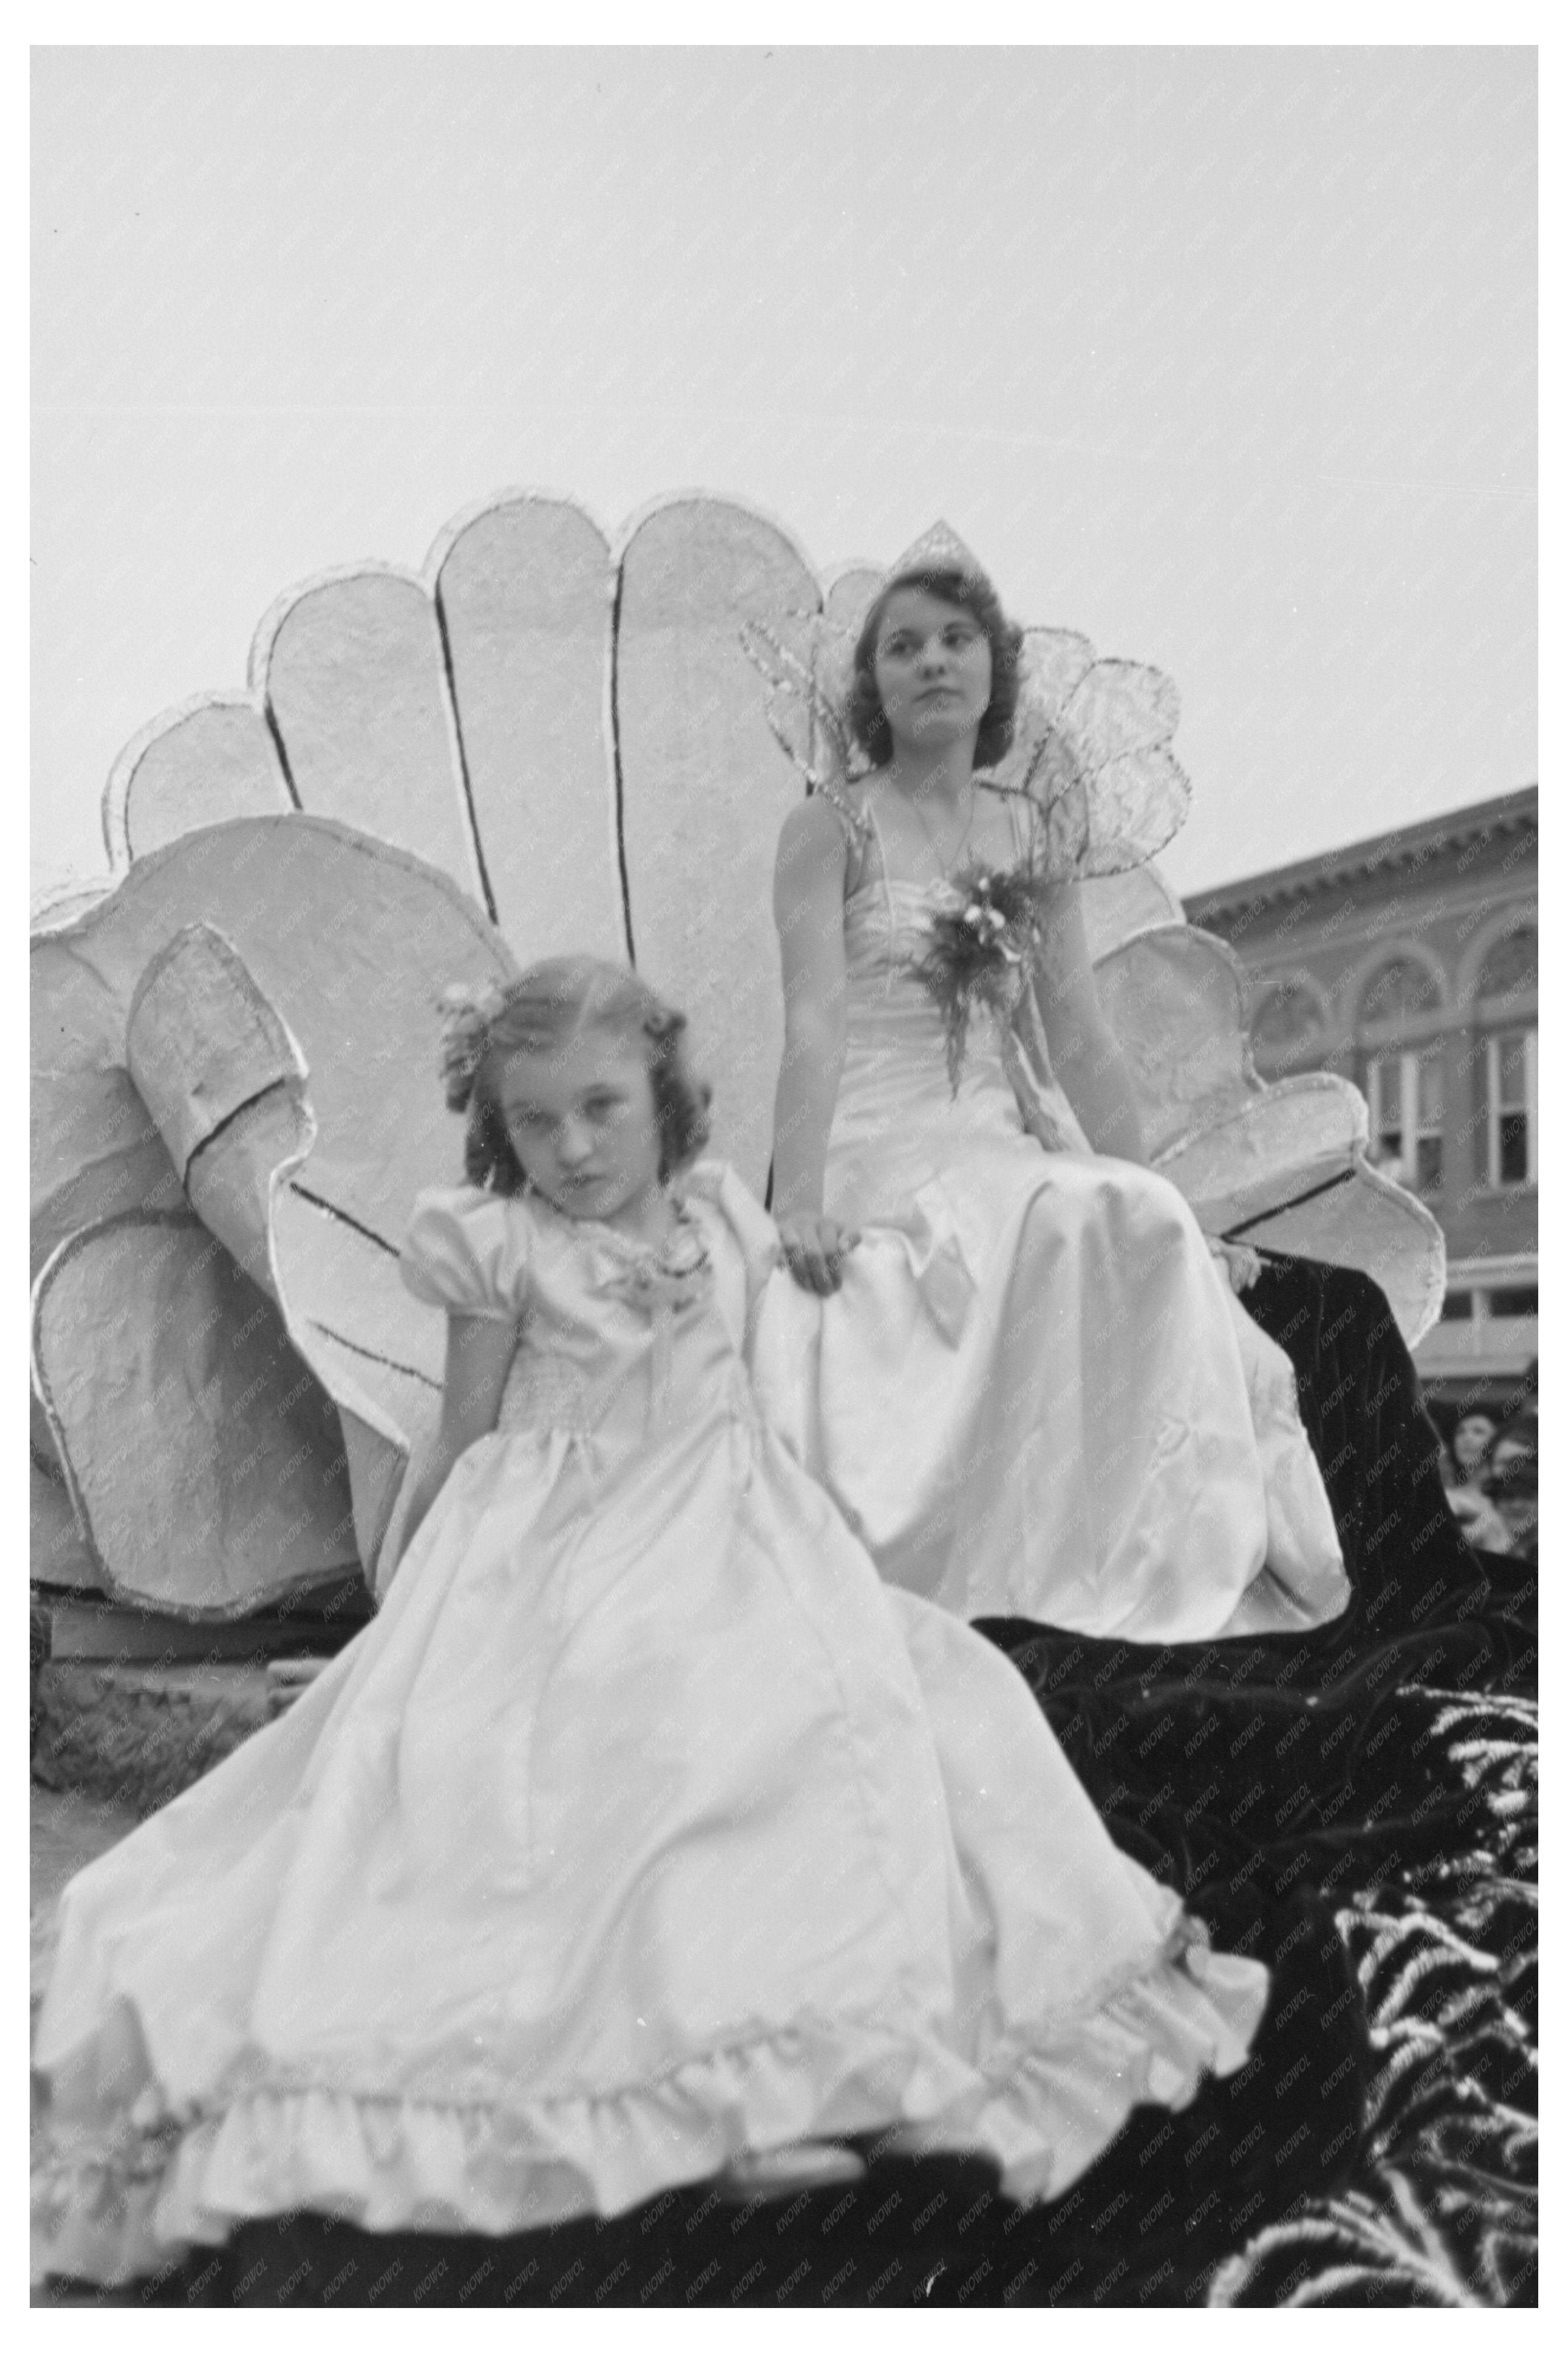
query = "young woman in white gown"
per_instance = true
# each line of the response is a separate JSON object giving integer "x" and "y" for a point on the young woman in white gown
{"x": 1015, "y": 1362}
{"x": 645, "y": 1831}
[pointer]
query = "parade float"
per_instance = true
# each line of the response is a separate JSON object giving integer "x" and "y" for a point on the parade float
{"x": 543, "y": 742}
{"x": 547, "y": 739}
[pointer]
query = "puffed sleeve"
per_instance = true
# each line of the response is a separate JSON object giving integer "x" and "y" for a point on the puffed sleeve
{"x": 467, "y": 1251}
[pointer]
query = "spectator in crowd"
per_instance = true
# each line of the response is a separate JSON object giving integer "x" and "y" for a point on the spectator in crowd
{"x": 1463, "y": 1464}
{"x": 1509, "y": 1476}
{"x": 1518, "y": 1435}
{"x": 1511, "y": 1486}
{"x": 1480, "y": 1524}
{"x": 1472, "y": 1442}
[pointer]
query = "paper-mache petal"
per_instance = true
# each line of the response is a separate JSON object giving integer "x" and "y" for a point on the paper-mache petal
{"x": 705, "y": 788}
{"x": 201, "y": 1042}
{"x": 57, "y": 1553}
{"x": 319, "y": 952}
{"x": 523, "y": 585}
{"x": 354, "y": 678}
{"x": 151, "y": 1350}
{"x": 1117, "y": 907}
{"x": 212, "y": 758}
{"x": 1285, "y": 1168}
{"x": 849, "y": 591}
{"x": 1176, "y": 1000}
{"x": 1285, "y": 1163}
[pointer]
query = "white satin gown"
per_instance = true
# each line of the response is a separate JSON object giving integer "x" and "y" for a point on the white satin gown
{"x": 1036, "y": 1394}
{"x": 643, "y": 1825}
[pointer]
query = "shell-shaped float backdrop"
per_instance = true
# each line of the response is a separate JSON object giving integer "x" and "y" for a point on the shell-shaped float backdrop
{"x": 543, "y": 741}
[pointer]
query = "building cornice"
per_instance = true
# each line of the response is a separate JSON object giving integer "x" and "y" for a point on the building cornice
{"x": 1318, "y": 932}
{"x": 1410, "y": 847}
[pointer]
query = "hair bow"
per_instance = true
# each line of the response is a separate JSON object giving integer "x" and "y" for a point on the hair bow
{"x": 467, "y": 1013}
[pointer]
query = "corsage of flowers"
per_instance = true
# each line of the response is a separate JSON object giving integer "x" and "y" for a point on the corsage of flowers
{"x": 985, "y": 927}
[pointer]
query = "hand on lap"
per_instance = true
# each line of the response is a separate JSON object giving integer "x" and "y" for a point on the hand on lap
{"x": 1242, "y": 1266}
{"x": 815, "y": 1247}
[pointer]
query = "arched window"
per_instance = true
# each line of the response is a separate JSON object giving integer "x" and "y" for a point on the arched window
{"x": 1287, "y": 1028}
{"x": 1397, "y": 990}
{"x": 1404, "y": 1083}
{"x": 1510, "y": 966}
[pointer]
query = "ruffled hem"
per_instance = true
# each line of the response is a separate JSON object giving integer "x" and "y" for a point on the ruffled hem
{"x": 1043, "y": 2104}
{"x": 1057, "y": 2101}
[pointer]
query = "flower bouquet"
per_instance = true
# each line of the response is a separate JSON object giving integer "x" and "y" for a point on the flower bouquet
{"x": 985, "y": 927}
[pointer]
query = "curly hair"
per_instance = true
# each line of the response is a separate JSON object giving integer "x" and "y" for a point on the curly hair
{"x": 973, "y": 594}
{"x": 551, "y": 1003}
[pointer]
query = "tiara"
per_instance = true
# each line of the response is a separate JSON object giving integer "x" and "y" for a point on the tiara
{"x": 940, "y": 549}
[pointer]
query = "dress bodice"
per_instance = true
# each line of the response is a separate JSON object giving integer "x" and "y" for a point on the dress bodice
{"x": 898, "y": 1119}
{"x": 613, "y": 1339}
{"x": 886, "y": 921}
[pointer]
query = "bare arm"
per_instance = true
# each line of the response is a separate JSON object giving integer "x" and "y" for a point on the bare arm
{"x": 1084, "y": 1051}
{"x": 480, "y": 1350}
{"x": 808, "y": 909}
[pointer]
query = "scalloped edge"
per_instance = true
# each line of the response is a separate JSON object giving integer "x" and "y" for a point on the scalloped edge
{"x": 371, "y": 843}
{"x": 518, "y": 495}
{"x": 1302, "y": 1083}
{"x": 114, "y": 800}
{"x": 264, "y": 636}
{"x": 842, "y": 567}
{"x": 665, "y": 499}
{"x": 1249, "y": 1077}
{"x": 439, "y": 551}
{"x": 263, "y": 645}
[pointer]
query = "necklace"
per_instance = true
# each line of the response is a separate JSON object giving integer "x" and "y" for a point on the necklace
{"x": 945, "y": 865}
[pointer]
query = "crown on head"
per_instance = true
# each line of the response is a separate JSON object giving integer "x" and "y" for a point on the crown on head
{"x": 940, "y": 549}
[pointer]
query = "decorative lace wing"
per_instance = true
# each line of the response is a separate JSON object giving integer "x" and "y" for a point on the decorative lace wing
{"x": 1090, "y": 740}
{"x": 807, "y": 673}
{"x": 1091, "y": 748}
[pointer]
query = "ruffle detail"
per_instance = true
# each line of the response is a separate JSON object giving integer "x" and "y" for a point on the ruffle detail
{"x": 1059, "y": 2100}
{"x": 1044, "y": 2104}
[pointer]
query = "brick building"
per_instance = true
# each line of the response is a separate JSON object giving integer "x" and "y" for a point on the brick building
{"x": 1407, "y": 964}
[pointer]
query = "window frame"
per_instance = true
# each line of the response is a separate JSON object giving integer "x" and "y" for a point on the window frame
{"x": 1496, "y": 1110}
{"x": 1412, "y": 1133}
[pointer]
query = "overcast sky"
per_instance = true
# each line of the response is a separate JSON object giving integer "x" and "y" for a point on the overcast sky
{"x": 1223, "y": 357}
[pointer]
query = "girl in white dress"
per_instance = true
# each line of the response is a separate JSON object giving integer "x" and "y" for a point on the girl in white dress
{"x": 1015, "y": 1362}
{"x": 645, "y": 1832}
